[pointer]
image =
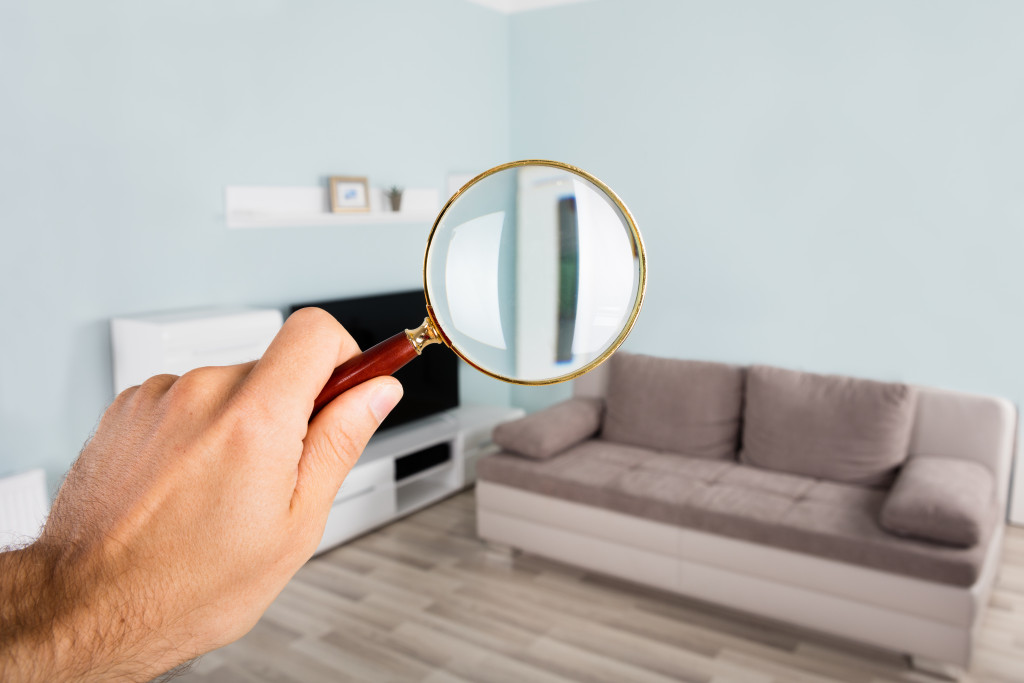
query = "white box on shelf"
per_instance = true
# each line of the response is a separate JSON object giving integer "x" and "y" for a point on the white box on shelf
{"x": 179, "y": 341}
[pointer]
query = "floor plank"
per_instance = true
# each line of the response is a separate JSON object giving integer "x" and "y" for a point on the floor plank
{"x": 424, "y": 600}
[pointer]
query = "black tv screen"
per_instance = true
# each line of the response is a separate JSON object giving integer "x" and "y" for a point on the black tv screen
{"x": 431, "y": 382}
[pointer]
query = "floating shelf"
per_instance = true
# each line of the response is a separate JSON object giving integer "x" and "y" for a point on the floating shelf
{"x": 291, "y": 207}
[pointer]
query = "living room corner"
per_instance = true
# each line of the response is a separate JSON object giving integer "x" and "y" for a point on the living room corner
{"x": 803, "y": 462}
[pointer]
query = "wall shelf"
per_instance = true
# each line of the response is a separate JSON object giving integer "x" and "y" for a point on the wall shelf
{"x": 293, "y": 207}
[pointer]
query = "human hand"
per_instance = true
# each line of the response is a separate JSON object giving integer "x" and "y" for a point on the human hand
{"x": 195, "y": 502}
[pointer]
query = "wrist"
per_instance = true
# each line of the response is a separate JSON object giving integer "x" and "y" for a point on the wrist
{"x": 28, "y": 614}
{"x": 58, "y": 623}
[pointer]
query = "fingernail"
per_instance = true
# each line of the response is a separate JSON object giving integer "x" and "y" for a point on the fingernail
{"x": 384, "y": 400}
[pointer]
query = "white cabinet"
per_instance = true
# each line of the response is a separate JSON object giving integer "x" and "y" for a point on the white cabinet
{"x": 401, "y": 470}
{"x": 176, "y": 342}
{"x": 410, "y": 467}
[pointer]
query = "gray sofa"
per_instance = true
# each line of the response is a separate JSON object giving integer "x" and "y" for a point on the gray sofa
{"x": 868, "y": 510}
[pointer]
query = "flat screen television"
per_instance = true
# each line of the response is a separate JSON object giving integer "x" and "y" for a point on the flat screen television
{"x": 431, "y": 382}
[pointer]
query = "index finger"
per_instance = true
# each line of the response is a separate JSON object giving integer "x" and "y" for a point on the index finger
{"x": 299, "y": 361}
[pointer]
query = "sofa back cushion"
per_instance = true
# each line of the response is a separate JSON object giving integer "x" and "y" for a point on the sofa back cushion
{"x": 548, "y": 432}
{"x": 854, "y": 431}
{"x": 681, "y": 406}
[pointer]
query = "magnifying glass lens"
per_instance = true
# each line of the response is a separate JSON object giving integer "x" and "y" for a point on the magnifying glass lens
{"x": 533, "y": 273}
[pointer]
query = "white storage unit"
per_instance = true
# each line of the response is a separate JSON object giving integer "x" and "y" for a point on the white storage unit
{"x": 401, "y": 470}
{"x": 180, "y": 341}
{"x": 412, "y": 466}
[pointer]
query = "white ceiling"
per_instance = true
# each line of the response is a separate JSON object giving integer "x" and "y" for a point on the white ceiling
{"x": 513, "y": 6}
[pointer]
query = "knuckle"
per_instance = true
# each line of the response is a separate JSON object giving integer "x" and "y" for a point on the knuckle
{"x": 153, "y": 388}
{"x": 195, "y": 385}
{"x": 316, "y": 319}
{"x": 124, "y": 398}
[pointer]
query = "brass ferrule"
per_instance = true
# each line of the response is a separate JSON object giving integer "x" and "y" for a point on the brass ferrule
{"x": 424, "y": 335}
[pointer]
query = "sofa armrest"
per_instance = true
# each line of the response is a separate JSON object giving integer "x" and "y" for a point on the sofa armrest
{"x": 947, "y": 500}
{"x": 552, "y": 430}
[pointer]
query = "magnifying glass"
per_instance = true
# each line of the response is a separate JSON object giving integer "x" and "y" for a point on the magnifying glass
{"x": 534, "y": 274}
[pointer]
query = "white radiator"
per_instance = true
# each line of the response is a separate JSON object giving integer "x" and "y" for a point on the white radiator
{"x": 23, "y": 507}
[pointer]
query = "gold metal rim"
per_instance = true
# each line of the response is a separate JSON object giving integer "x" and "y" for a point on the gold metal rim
{"x": 641, "y": 255}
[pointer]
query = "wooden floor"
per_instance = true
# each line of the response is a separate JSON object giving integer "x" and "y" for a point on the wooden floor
{"x": 424, "y": 600}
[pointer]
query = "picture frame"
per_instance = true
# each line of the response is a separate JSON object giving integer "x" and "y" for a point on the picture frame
{"x": 349, "y": 194}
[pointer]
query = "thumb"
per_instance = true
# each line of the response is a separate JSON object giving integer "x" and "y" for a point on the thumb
{"x": 337, "y": 436}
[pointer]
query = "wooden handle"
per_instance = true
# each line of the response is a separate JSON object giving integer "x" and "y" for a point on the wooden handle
{"x": 382, "y": 359}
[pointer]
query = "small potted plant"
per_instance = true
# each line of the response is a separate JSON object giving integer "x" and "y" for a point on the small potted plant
{"x": 394, "y": 195}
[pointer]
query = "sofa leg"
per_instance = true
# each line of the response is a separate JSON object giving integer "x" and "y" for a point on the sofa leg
{"x": 501, "y": 550}
{"x": 933, "y": 667}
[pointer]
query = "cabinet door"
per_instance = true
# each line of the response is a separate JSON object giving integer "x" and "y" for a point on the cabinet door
{"x": 367, "y": 476}
{"x": 357, "y": 514}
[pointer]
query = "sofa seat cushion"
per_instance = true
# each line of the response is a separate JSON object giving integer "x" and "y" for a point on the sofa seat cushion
{"x": 585, "y": 473}
{"x": 827, "y": 519}
{"x": 681, "y": 406}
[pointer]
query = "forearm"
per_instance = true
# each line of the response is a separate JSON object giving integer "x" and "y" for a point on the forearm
{"x": 55, "y": 628}
{"x": 28, "y": 613}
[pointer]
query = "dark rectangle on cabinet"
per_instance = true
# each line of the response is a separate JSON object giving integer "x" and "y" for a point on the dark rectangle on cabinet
{"x": 414, "y": 463}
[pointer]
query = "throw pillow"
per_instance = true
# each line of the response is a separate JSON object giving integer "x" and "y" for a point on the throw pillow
{"x": 682, "y": 406}
{"x": 854, "y": 431}
{"x": 552, "y": 430}
{"x": 947, "y": 500}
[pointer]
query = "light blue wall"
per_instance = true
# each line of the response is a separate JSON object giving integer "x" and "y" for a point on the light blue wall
{"x": 833, "y": 186}
{"x": 121, "y": 122}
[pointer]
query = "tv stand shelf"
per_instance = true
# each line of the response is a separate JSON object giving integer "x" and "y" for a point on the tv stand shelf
{"x": 371, "y": 496}
{"x": 421, "y": 493}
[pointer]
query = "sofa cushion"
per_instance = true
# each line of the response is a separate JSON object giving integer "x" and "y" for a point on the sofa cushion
{"x": 582, "y": 473}
{"x": 822, "y": 518}
{"x": 843, "y": 429}
{"x": 680, "y": 406}
{"x": 552, "y": 430}
{"x": 941, "y": 499}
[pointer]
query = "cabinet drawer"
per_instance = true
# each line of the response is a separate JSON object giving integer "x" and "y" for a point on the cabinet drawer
{"x": 368, "y": 476}
{"x": 355, "y": 515}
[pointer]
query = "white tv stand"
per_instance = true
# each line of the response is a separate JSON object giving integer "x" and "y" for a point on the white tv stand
{"x": 385, "y": 484}
{"x": 411, "y": 466}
